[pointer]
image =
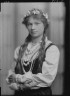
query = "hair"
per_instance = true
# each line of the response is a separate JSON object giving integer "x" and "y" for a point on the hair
{"x": 41, "y": 17}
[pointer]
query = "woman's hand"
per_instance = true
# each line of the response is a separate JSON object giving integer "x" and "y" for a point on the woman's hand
{"x": 28, "y": 81}
{"x": 14, "y": 86}
{"x": 30, "y": 84}
{"x": 12, "y": 78}
{"x": 24, "y": 78}
{"x": 21, "y": 79}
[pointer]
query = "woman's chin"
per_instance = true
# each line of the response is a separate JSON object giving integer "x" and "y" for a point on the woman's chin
{"x": 34, "y": 35}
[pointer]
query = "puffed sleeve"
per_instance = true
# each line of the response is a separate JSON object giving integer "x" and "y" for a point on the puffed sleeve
{"x": 11, "y": 70}
{"x": 16, "y": 53}
{"x": 49, "y": 68}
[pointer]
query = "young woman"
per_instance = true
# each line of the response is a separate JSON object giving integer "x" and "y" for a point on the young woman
{"x": 36, "y": 61}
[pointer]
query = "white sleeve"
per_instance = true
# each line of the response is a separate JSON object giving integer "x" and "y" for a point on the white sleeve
{"x": 11, "y": 70}
{"x": 16, "y": 53}
{"x": 49, "y": 68}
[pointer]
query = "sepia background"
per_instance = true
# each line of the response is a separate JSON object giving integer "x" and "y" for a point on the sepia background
{"x": 13, "y": 34}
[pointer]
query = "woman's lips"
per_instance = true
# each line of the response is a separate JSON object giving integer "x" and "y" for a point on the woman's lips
{"x": 34, "y": 32}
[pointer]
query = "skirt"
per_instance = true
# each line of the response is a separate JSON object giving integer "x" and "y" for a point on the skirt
{"x": 43, "y": 91}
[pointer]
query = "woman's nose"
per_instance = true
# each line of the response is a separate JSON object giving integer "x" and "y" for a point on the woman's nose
{"x": 33, "y": 26}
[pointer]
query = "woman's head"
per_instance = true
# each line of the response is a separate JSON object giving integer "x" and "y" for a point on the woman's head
{"x": 36, "y": 14}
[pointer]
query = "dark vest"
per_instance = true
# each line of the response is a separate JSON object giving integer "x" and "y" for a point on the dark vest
{"x": 37, "y": 67}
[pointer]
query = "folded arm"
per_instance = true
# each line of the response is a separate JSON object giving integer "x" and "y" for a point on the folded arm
{"x": 49, "y": 69}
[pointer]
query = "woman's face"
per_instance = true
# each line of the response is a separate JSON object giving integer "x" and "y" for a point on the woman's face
{"x": 35, "y": 27}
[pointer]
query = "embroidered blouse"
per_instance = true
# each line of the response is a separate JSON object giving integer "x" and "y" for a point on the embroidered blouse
{"x": 49, "y": 67}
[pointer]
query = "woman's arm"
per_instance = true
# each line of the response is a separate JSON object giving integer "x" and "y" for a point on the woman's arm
{"x": 11, "y": 72}
{"x": 49, "y": 68}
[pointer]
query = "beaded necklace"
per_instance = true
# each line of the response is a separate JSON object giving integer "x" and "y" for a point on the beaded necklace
{"x": 28, "y": 55}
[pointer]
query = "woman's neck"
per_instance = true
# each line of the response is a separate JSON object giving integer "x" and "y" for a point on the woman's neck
{"x": 36, "y": 39}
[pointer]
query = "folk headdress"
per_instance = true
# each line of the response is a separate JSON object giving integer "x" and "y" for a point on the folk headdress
{"x": 35, "y": 11}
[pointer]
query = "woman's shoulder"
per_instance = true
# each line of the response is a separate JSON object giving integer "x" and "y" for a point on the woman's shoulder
{"x": 17, "y": 48}
{"x": 16, "y": 52}
{"x": 50, "y": 46}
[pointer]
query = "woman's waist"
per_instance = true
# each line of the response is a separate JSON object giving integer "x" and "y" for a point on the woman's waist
{"x": 37, "y": 89}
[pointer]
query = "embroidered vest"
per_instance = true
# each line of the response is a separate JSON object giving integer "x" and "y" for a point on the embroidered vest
{"x": 37, "y": 68}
